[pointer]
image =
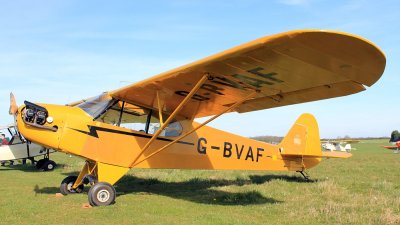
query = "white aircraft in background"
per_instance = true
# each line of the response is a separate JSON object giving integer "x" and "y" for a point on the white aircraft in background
{"x": 18, "y": 147}
{"x": 338, "y": 145}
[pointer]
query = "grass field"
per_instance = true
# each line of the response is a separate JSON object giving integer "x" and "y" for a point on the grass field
{"x": 364, "y": 189}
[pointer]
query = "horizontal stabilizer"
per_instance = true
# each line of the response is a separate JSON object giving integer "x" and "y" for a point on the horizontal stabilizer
{"x": 326, "y": 154}
{"x": 329, "y": 154}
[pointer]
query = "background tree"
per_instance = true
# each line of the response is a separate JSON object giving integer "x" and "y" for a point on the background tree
{"x": 395, "y": 136}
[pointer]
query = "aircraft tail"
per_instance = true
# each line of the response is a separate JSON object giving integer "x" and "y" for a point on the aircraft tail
{"x": 303, "y": 141}
{"x": 347, "y": 147}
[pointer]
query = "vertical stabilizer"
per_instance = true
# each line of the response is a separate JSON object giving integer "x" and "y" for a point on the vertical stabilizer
{"x": 303, "y": 138}
{"x": 302, "y": 144}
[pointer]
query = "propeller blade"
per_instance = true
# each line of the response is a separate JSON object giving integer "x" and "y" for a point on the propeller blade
{"x": 13, "y": 111}
{"x": 13, "y": 105}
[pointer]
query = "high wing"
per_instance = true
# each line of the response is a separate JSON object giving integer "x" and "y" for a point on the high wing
{"x": 283, "y": 69}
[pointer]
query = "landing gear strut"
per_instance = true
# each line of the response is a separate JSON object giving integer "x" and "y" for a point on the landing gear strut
{"x": 101, "y": 193}
{"x": 305, "y": 175}
{"x": 66, "y": 186}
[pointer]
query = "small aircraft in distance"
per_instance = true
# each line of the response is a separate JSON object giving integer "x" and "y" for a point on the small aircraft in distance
{"x": 395, "y": 141}
{"x": 395, "y": 147}
{"x": 338, "y": 145}
{"x": 20, "y": 148}
{"x": 150, "y": 124}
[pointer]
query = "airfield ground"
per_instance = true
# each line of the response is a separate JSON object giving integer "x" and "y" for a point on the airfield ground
{"x": 364, "y": 189}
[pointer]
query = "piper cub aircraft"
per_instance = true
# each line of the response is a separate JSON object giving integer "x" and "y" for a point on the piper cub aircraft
{"x": 150, "y": 124}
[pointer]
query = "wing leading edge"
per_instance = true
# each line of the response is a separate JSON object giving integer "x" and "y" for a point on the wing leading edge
{"x": 284, "y": 69}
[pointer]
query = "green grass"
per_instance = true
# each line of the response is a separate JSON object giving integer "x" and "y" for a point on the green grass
{"x": 364, "y": 189}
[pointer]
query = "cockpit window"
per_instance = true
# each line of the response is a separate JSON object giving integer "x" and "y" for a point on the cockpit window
{"x": 137, "y": 118}
{"x": 126, "y": 115}
{"x": 97, "y": 105}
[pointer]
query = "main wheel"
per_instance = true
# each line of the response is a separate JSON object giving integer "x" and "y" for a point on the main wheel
{"x": 101, "y": 194}
{"x": 40, "y": 163}
{"x": 49, "y": 165}
{"x": 66, "y": 186}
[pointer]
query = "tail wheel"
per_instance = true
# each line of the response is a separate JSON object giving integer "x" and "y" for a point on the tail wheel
{"x": 66, "y": 186}
{"x": 101, "y": 194}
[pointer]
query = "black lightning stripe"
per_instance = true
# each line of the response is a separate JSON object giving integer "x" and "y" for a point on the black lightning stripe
{"x": 93, "y": 132}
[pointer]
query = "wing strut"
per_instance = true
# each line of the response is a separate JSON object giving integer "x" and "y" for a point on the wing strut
{"x": 172, "y": 116}
{"x": 160, "y": 108}
{"x": 198, "y": 127}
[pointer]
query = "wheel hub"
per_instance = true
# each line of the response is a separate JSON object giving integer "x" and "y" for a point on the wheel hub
{"x": 103, "y": 195}
{"x": 69, "y": 186}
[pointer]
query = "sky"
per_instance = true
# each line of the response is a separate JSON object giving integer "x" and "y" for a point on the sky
{"x": 63, "y": 51}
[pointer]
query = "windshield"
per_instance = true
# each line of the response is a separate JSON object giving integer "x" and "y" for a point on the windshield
{"x": 95, "y": 106}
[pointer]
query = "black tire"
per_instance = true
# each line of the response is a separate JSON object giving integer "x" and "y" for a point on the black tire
{"x": 40, "y": 163}
{"x": 66, "y": 186}
{"x": 48, "y": 165}
{"x": 101, "y": 194}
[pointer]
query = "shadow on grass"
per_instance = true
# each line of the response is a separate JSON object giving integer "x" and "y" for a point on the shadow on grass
{"x": 27, "y": 167}
{"x": 257, "y": 179}
{"x": 195, "y": 190}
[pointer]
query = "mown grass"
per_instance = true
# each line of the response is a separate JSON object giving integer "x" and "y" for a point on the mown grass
{"x": 364, "y": 189}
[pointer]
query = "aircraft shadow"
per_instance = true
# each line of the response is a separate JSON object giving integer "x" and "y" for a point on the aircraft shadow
{"x": 26, "y": 167}
{"x": 258, "y": 179}
{"x": 195, "y": 190}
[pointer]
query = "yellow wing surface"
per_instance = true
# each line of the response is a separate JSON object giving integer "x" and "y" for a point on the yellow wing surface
{"x": 284, "y": 69}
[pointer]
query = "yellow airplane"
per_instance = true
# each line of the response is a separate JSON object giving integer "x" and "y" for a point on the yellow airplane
{"x": 150, "y": 124}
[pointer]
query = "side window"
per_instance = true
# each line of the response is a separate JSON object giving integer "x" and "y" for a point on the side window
{"x": 111, "y": 116}
{"x": 137, "y": 118}
{"x": 16, "y": 140}
{"x": 154, "y": 125}
{"x": 134, "y": 117}
{"x": 173, "y": 129}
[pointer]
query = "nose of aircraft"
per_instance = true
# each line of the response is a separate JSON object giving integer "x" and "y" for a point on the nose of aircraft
{"x": 41, "y": 123}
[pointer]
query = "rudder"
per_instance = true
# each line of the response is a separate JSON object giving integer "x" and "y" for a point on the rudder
{"x": 303, "y": 141}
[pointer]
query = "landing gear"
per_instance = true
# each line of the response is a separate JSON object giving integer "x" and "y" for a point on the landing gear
{"x": 40, "y": 163}
{"x": 66, "y": 186}
{"x": 49, "y": 165}
{"x": 101, "y": 194}
{"x": 305, "y": 175}
{"x": 46, "y": 164}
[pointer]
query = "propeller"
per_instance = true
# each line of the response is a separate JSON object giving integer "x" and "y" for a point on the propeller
{"x": 13, "y": 105}
{"x": 13, "y": 110}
